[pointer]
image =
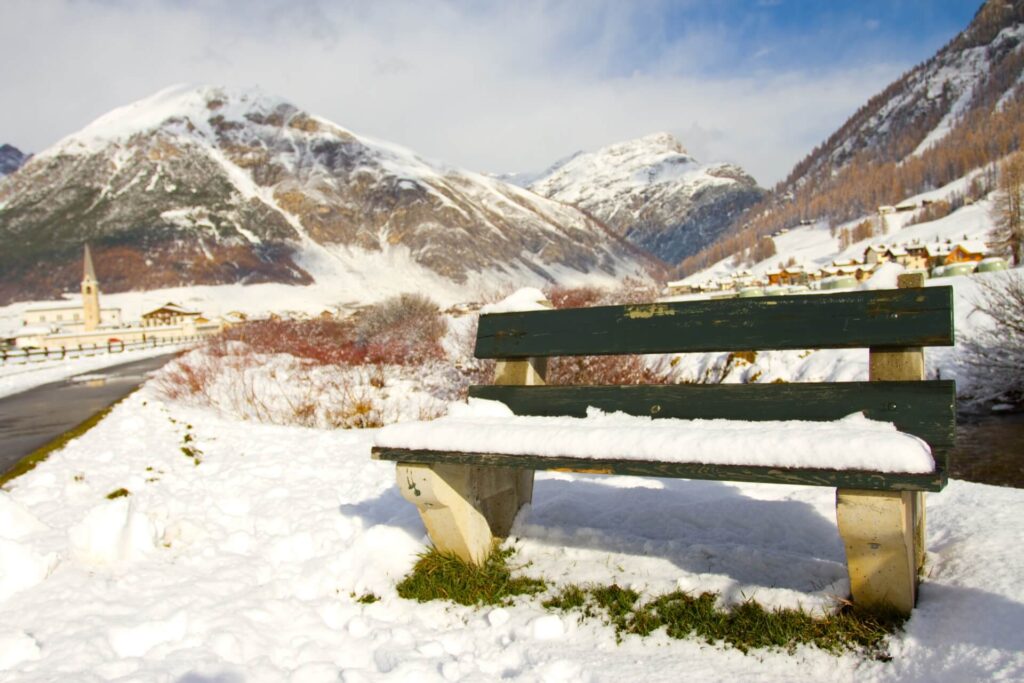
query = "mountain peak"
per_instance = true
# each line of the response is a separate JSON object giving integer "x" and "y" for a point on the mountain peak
{"x": 651, "y": 191}
{"x": 194, "y": 110}
{"x": 662, "y": 140}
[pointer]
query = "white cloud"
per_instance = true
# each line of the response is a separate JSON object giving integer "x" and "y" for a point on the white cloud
{"x": 512, "y": 86}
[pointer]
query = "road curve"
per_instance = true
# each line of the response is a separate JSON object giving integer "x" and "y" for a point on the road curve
{"x": 35, "y": 417}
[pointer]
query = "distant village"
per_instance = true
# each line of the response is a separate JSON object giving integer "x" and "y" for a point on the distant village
{"x": 936, "y": 259}
{"x": 74, "y": 324}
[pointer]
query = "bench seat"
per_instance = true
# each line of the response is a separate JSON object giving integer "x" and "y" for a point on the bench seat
{"x": 853, "y": 452}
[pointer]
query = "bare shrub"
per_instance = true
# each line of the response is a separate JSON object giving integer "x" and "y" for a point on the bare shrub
{"x": 995, "y": 354}
{"x": 574, "y": 297}
{"x": 402, "y": 330}
{"x": 631, "y": 369}
{"x": 189, "y": 375}
{"x": 468, "y": 369}
{"x": 324, "y": 340}
{"x": 618, "y": 369}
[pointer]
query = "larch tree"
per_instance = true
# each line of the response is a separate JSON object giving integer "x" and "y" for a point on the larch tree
{"x": 1008, "y": 207}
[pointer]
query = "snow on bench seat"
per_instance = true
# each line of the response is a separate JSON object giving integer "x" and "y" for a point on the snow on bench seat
{"x": 852, "y": 443}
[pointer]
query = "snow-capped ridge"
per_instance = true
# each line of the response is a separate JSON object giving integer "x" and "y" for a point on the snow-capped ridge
{"x": 241, "y": 182}
{"x": 653, "y": 192}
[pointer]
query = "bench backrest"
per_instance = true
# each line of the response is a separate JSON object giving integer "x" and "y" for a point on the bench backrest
{"x": 881, "y": 320}
{"x": 889, "y": 317}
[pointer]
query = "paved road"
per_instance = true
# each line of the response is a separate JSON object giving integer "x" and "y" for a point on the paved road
{"x": 35, "y": 417}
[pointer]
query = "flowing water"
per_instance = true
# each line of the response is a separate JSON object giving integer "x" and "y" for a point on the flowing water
{"x": 990, "y": 449}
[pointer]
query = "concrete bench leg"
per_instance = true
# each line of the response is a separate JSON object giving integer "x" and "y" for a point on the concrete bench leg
{"x": 879, "y": 529}
{"x": 919, "y": 533}
{"x": 465, "y": 507}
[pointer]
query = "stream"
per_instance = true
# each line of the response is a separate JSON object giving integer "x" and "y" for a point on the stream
{"x": 989, "y": 449}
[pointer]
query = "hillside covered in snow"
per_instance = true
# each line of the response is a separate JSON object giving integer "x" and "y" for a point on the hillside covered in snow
{"x": 957, "y": 113}
{"x": 205, "y": 185}
{"x": 653, "y": 193}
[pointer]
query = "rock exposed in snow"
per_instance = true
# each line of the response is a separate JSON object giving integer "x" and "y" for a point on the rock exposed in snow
{"x": 651, "y": 191}
{"x": 11, "y": 159}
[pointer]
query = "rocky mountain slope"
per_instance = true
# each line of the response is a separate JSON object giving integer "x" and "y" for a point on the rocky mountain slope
{"x": 11, "y": 159}
{"x": 653, "y": 193}
{"x": 960, "y": 110}
{"x": 206, "y": 186}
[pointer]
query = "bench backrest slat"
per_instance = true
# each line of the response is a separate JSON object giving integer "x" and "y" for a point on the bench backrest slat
{"x": 879, "y": 318}
{"x": 925, "y": 409}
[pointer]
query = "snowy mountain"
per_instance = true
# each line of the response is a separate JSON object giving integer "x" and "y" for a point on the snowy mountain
{"x": 208, "y": 186}
{"x": 958, "y": 111}
{"x": 526, "y": 178}
{"x": 978, "y": 70}
{"x": 11, "y": 159}
{"x": 653, "y": 193}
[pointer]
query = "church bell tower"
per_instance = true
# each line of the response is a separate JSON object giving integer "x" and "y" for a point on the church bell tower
{"x": 90, "y": 294}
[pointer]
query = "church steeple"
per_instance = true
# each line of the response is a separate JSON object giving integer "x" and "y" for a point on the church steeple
{"x": 90, "y": 294}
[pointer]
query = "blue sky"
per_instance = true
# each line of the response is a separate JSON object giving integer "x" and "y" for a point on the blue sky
{"x": 492, "y": 86}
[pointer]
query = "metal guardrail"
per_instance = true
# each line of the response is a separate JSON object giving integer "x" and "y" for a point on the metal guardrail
{"x": 39, "y": 355}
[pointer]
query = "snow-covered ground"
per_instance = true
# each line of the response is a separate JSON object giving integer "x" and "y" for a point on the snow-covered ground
{"x": 18, "y": 377}
{"x": 248, "y": 565}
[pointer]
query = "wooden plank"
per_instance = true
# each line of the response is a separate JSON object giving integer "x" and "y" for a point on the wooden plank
{"x": 879, "y": 318}
{"x": 925, "y": 409}
{"x": 850, "y": 479}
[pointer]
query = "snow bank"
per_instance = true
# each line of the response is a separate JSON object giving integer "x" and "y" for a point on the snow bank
{"x": 853, "y": 443}
{"x": 273, "y": 539}
{"x": 112, "y": 533}
{"x": 885, "y": 277}
{"x": 21, "y": 567}
{"x": 17, "y": 647}
{"x": 524, "y": 299}
{"x": 15, "y": 521}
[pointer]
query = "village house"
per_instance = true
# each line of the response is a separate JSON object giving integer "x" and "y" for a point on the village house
{"x": 967, "y": 252}
{"x": 937, "y": 253}
{"x": 793, "y": 275}
{"x": 875, "y": 253}
{"x": 917, "y": 257}
{"x": 170, "y": 314}
{"x": 69, "y": 315}
{"x": 897, "y": 255}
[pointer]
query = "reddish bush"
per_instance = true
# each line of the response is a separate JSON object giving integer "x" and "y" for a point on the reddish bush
{"x": 323, "y": 340}
{"x": 602, "y": 370}
{"x": 631, "y": 291}
{"x": 402, "y": 330}
{"x": 574, "y": 297}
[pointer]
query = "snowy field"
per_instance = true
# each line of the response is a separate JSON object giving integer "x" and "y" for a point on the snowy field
{"x": 245, "y": 563}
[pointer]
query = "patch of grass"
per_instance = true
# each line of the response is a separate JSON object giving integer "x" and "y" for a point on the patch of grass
{"x": 747, "y": 626}
{"x": 29, "y": 462}
{"x": 367, "y": 598}
{"x": 190, "y": 451}
{"x": 443, "y": 576}
{"x": 119, "y": 493}
{"x": 194, "y": 453}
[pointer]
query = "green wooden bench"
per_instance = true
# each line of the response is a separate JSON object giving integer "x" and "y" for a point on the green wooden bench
{"x": 468, "y": 499}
